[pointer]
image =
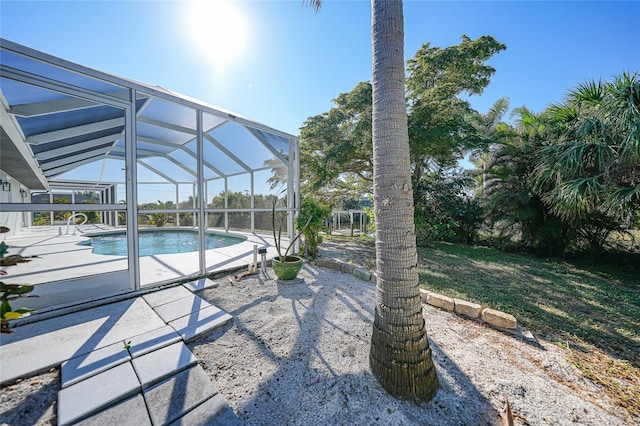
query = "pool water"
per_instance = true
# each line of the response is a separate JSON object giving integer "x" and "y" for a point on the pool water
{"x": 159, "y": 242}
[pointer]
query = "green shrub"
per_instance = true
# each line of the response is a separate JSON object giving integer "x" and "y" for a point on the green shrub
{"x": 314, "y": 213}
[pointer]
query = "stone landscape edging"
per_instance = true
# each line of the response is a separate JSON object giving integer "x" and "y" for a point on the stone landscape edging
{"x": 492, "y": 317}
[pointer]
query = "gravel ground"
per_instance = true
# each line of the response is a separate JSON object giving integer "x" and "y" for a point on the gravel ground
{"x": 297, "y": 354}
{"x": 31, "y": 401}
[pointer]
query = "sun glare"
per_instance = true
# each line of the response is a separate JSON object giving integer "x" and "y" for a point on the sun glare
{"x": 217, "y": 29}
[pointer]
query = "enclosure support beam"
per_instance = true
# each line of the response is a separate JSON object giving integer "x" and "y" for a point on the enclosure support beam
{"x": 253, "y": 204}
{"x": 202, "y": 220}
{"x": 177, "y": 201}
{"x": 291, "y": 191}
{"x": 226, "y": 205}
{"x": 132, "y": 192}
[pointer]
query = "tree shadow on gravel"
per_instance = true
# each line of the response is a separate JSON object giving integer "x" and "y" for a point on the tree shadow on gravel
{"x": 324, "y": 376}
{"x": 33, "y": 406}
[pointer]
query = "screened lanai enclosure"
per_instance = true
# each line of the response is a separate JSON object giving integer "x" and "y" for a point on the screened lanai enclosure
{"x": 118, "y": 186}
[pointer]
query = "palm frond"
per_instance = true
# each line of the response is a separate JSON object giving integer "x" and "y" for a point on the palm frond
{"x": 497, "y": 111}
{"x": 575, "y": 199}
{"x": 589, "y": 93}
{"x": 621, "y": 196}
{"x": 314, "y": 4}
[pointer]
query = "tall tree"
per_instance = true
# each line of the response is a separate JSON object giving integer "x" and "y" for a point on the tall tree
{"x": 516, "y": 212}
{"x": 438, "y": 81}
{"x": 335, "y": 146}
{"x": 588, "y": 172}
{"x": 400, "y": 356}
{"x": 592, "y": 161}
{"x": 491, "y": 131}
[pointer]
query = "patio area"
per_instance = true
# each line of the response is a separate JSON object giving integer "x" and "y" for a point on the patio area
{"x": 85, "y": 151}
{"x": 62, "y": 265}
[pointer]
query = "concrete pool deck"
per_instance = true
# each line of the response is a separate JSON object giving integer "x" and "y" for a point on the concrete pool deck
{"x": 66, "y": 272}
{"x": 125, "y": 362}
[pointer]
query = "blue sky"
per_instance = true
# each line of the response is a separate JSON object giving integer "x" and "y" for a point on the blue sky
{"x": 279, "y": 63}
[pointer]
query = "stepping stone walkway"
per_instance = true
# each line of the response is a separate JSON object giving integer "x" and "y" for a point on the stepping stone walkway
{"x": 150, "y": 378}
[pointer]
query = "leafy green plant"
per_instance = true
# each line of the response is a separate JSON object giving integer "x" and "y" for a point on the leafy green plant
{"x": 277, "y": 235}
{"x": 444, "y": 210}
{"x": 159, "y": 219}
{"x": 312, "y": 214}
{"x": 11, "y": 292}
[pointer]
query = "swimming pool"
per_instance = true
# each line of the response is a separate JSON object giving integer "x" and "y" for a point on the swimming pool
{"x": 159, "y": 241}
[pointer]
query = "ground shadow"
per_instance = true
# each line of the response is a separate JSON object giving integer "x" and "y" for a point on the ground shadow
{"x": 33, "y": 406}
{"x": 323, "y": 376}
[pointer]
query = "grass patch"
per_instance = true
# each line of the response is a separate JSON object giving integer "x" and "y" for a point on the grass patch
{"x": 593, "y": 309}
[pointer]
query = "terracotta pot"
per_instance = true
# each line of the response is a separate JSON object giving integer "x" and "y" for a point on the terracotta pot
{"x": 288, "y": 269}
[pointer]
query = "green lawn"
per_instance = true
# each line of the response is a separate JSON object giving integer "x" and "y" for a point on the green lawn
{"x": 593, "y": 309}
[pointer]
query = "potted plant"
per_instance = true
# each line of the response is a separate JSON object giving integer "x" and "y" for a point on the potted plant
{"x": 286, "y": 266}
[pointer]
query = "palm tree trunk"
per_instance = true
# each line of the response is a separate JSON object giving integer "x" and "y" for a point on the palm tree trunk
{"x": 400, "y": 356}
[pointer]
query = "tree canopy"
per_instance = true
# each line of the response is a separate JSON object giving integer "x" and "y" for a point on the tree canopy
{"x": 552, "y": 182}
{"x": 570, "y": 176}
{"x": 336, "y": 147}
{"x": 440, "y": 129}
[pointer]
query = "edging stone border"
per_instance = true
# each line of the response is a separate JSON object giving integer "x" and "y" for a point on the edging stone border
{"x": 361, "y": 273}
{"x": 497, "y": 319}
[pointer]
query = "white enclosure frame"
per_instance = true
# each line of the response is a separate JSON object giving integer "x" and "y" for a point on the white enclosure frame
{"x": 29, "y": 172}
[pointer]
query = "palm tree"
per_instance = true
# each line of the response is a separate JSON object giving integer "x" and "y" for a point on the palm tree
{"x": 400, "y": 355}
{"x": 594, "y": 162}
{"x": 491, "y": 130}
{"x": 590, "y": 167}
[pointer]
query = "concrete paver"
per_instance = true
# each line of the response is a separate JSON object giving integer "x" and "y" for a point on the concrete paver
{"x": 213, "y": 412}
{"x": 44, "y": 344}
{"x": 158, "y": 298}
{"x": 132, "y": 411}
{"x": 152, "y": 340}
{"x": 181, "y": 307}
{"x": 200, "y": 284}
{"x": 90, "y": 395}
{"x": 123, "y": 364}
{"x": 167, "y": 401}
{"x": 190, "y": 327}
{"x": 87, "y": 365}
{"x": 158, "y": 365}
